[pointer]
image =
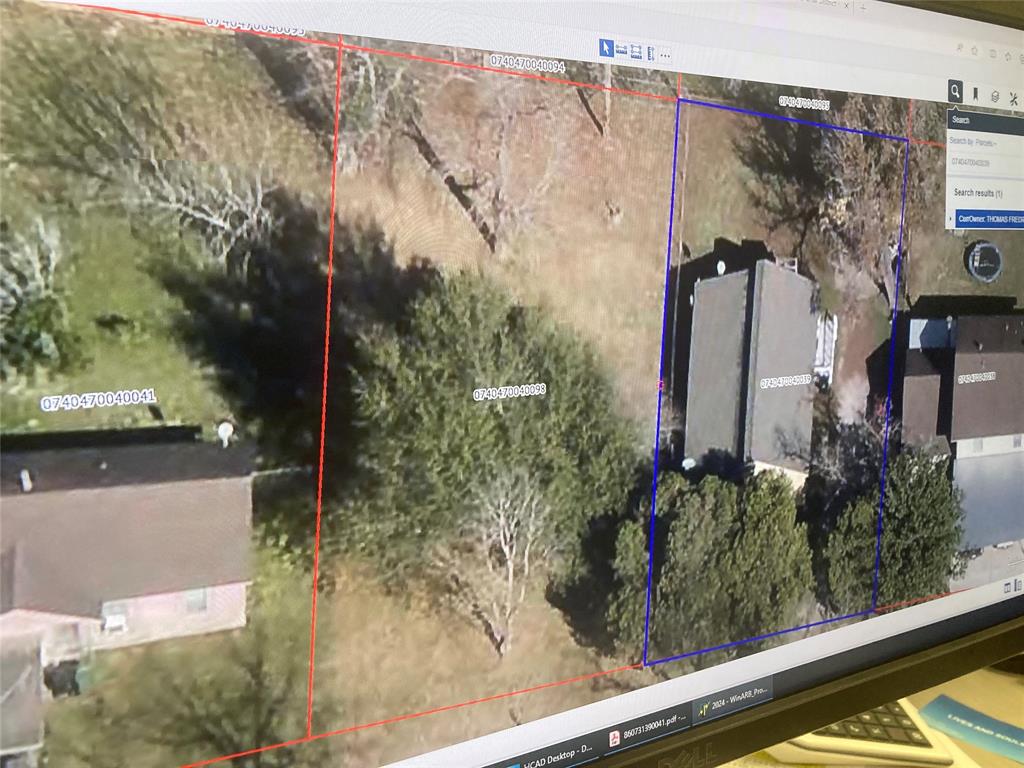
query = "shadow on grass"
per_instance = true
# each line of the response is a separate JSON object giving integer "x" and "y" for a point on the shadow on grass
{"x": 259, "y": 330}
{"x": 584, "y": 599}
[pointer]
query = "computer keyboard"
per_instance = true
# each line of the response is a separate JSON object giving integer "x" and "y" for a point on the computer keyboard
{"x": 887, "y": 723}
{"x": 891, "y": 734}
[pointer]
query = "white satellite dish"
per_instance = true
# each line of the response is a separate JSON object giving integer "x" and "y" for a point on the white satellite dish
{"x": 225, "y": 430}
{"x": 720, "y": 267}
{"x": 689, "y": 463}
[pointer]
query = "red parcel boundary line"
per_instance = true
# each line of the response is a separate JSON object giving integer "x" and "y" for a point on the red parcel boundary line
{"x": 340, "y": 45}
{"x": 459, "y": 64}
{"x": 486, "y": 699}
{"x": 917, "y": 600}
{"x": 380, "y": 51}
{"x": 202, "y": 23}
{"x": 513, "y": 72}
{"x": 910, "y": 130}
{"x": 323, "y": 394}
{"x": 414, "y": 715}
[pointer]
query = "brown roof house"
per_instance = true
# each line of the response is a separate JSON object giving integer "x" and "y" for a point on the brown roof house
{"x": 751, "y": 386}
{"x": 106, "y": 545}
{"x": 963, "y": 394}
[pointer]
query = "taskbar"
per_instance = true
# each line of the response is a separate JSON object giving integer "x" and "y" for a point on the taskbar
{"x": 630, "y": 734}
{"x": 639, "y": 730}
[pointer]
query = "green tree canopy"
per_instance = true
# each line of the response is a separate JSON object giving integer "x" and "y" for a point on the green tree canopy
{"x": 735, "y": 564}
{"x": 428, "y": 449}
{"x": 627, "y": 607}
{"x": 921, "y": 532}
{"x": 220, "y": 694}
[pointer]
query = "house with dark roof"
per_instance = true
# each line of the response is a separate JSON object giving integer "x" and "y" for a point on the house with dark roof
{"x": 106, "y": 544}
{"x": 963, "y": 394}
{"x": 750, "y": 386}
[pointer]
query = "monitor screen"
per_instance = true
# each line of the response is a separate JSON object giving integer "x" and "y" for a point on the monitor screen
{"x": 493, "y": 385}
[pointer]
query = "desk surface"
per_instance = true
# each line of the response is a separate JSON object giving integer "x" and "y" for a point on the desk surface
{"x": 996, "y": 694}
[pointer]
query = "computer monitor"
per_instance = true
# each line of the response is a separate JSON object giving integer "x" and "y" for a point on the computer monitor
{"x": 494, "y": 384}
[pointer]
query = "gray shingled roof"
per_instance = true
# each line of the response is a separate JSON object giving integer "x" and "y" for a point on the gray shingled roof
{"x": 715, "y": 389}
{"x": 990, "y": 352}
{"x": 109, "y": 466}
{"x": 784, "y": 327}
{"x": 922, "y": 390}
{"x": 748, "y": 328}
{"x": 123, "y": 531}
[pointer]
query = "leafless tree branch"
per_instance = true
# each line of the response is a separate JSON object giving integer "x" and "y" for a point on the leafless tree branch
{"x": 502, "y": 545}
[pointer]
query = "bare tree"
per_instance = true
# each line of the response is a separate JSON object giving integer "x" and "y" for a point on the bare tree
{"x": 860, "y": 212}
{"x": 231, "y": 209}
{"x": 487, "y": 174}
{"x": 587, "y": 72}
{"x": 514, "y": 191}
{"x": 305, "y": 76}
{"x": 103, "y": 115}
{"x": 29, "y": 265}
{"x": 32, "y": 312}
{"x": 839, "y": 192}
{"x": 382, "y": 96}
{"x": 487, "y": 572}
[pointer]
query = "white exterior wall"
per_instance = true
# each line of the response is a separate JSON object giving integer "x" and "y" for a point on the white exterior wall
{"x": 148, "y": 618}
{"x": 989, "y": 446}
{"x": 159, "y": 617}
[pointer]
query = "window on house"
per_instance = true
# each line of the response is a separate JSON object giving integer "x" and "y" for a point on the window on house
{"x": 195, "y": 600}
{"x": 979, "y": 444}
{"x": 1018, "y": 441}
{"x": 115, "y": 618}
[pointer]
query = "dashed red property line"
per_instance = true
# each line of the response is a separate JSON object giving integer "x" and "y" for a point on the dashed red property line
{"x": 414, "y": 715}
{"x": 483, "y": 700}
{"x": 340, "y": 45}
{"x": 202, "y": 23}
{"x": 323, "y": 394}
{"x": 916, "y": 600}
{"x": 143, "y": 14}
{"x": 247, "y": 752}
{"x": 495, "y": 697}
{"x": 508, "y": 694}
{"x": 383, "y": 52}
{"x": 909, "y": 130}
{"x": 512, "y": 72}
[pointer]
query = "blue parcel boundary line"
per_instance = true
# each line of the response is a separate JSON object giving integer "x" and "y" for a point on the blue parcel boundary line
{"x": 888, "y": 386}
{"x": 679, "y": 656}
{"x": 661, "y": 379}
{"x": 888, "y": 395}
{"x": 787, "y": 119}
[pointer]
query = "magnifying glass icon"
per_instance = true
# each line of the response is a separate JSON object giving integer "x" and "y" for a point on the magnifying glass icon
{"x": 955, "y": 90}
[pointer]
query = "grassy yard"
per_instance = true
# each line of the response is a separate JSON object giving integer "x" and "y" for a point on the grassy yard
{"x": 715, "y": 200}
{"x": 592, "y": 246}
{"x": 216, "y": 94}
{"x": 109, "y": 273}
{"x": 419, "y": 659}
